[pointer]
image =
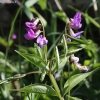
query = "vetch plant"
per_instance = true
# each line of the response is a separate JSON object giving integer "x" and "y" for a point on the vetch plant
{"x": 52, "y": 64}
{"x": 55, "y": 62}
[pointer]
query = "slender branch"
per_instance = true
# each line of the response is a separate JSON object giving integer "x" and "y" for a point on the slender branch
{"x": 55, "y": 86}
{"x": 45, "y": 48}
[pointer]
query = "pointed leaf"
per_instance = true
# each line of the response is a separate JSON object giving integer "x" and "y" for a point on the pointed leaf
{"x": 2, "y": 55}
{"x": 74, "y": 51}
{"x": 34, "y": 59}
{"x": 43, "y": 4}
{"x": 2, "y": 61}
{"x": 28, "y": 13}
{"x": 63, "y": 62}
{"x": 39, "y": 88}
{"x": 30, "y": 3}
{"x": 57, "y": 56}
{"x": 40, "y": 16}
{"x": 74, "y": 80}
{"x": 65, "y": 45}
{"x": 74, "y": 98}
{"x": 61, "y": 15}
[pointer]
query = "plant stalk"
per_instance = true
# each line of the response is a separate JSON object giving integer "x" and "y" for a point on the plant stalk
{"x": 55, "y": 86}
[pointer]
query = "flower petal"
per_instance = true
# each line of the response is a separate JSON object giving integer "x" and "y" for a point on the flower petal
{"x": 29, "y": 24}
{"x": 42, "y": 41}
{"x": 75, "y": 21}
{"x": 28, "y": 36}
{"x": 32, "y": 24}
{"x": 78, "y": 34}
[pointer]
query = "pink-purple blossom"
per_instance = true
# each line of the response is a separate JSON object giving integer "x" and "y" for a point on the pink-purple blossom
{"x": 41, "y": 41}
{"x": 75, "y": 22}
{"x": 32, "y": 29}
{"x": 32, "y": 24}
{"x": 75, "y": 35}
{"x": 31, "y": 34}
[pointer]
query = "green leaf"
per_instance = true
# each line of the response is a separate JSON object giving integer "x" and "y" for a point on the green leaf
{"x": 34, "y": 59}
{"x": 2, "y": 61}
{"x": 44, "y": 72}
{"x": 4, "y": 42}
{"x": 39, "y": 88}
{"x": 37, "y": 51}
{"x": 74, "y": 98}
{"x": 30, "y": 3}
{"x": 28, "y": 13}
{"x": 91, "y": 19}
{"x": 61, "y": 15}
{"x": 63, "y": 61}
{"x": 54, "y": 44}
{"x": 32, "y": 9}
{"x": 43, "y": 4}
{"x": 74, "y": 51}
{"x": 76, "y": 40}
{"x": 2, "y": 55}
{"x": 57, "y": 56}
{"x": 40, "y": 51}
{"x": 65, "y": 45}
{"x": 76, "y": 79}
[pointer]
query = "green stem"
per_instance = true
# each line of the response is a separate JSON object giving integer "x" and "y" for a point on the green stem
{"x": 69, "y": 81}
{"x": 55, "y": 86}
{"x": 45, "y": 48}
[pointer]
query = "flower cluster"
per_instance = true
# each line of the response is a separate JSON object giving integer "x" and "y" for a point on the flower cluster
{"x": 75, "y": 23}
{"x": 42, "y": 41}
{"x": 76, "y": 60}
{"x": 33, "y": 31}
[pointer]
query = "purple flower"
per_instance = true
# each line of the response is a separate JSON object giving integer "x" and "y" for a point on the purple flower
{"x": 31, "y": 34}
{"x": 42, "y": 41}
{"x": 14, "y": 36}
{"x": 75, "y": 35}
{"x": 76, "y": 21}
{"x": 32, "y": 24}
{"x": 32, "y": 29}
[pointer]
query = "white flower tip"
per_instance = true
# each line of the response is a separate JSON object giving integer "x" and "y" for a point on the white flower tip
{"x": 83, "y": 68}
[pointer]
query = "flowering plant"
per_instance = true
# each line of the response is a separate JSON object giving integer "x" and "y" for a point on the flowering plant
{"x": 52, "y": 64}
{"x": 57, "y": 58}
